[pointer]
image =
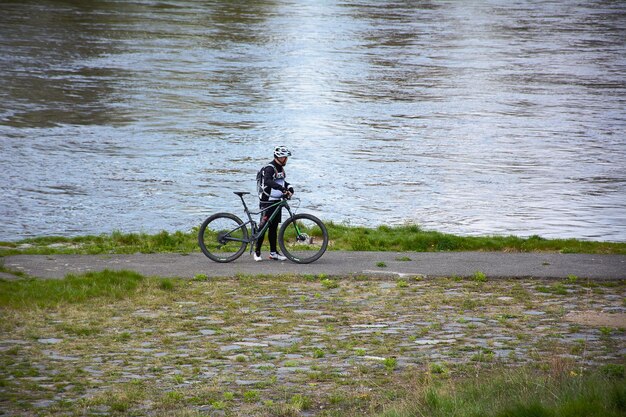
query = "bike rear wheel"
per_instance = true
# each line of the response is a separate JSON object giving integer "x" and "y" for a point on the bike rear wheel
{"x": 223, "y": 237}
{"x": 303, "y": 238}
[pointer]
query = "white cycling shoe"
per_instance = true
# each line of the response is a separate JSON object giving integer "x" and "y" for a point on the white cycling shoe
{"x": 277, "y": 256}
{"x": 257, "y": 258}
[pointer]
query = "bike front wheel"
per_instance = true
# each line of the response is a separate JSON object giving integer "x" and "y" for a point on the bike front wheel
{"x": 223, "y": 237}
{"x": 303, "y": 238}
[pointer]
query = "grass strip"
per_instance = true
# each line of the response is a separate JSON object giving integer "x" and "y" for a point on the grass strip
{"x": 72, "y": 289}
{"x": 517, "y": 392}
{"x": 342, "y": 237}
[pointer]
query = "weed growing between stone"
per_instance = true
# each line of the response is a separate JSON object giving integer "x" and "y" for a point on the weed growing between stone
{"x": 122, "y": 344}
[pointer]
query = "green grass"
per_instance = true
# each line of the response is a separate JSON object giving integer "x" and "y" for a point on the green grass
{"x": 413, "y": 238}
{"x": 516, "y": 392}
{"x": 72, "y": 289}
{"x": 116, "y": 242}
{"x": 342, "y": 237}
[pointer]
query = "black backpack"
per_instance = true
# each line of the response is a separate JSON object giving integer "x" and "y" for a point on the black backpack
{"x": 260, "y": 186}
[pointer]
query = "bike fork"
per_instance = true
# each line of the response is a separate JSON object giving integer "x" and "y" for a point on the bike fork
{"x": 295, "y": 225}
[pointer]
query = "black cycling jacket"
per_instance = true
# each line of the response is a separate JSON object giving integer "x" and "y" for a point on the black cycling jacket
{"x": 271, "y": 177}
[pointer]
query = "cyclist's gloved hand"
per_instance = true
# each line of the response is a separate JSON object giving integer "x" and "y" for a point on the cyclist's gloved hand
{"x": 290, "y": 189}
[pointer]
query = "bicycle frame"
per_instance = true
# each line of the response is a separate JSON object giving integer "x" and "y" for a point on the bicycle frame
{"x": 253, "y": 224}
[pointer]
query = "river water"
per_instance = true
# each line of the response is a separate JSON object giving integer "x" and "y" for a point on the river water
{"x": 471, "y": 117}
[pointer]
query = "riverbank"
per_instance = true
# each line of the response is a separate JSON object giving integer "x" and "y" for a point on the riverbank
{"x": 119, "y": 343}
{"x": 342, "y": 237}
{"x": 356, "y": 333}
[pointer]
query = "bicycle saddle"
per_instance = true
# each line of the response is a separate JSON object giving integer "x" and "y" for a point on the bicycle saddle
{"x": 240, "y": 193}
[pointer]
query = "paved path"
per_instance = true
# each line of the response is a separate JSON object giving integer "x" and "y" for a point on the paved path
{"x": 335, "y": 263}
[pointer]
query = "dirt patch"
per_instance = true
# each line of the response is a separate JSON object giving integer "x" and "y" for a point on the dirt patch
{"x": 596, "y": 319}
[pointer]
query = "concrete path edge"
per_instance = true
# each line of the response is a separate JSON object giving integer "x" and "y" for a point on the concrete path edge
{"x": 333, "y": 263}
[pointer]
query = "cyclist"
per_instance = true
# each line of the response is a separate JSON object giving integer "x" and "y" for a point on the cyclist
{"x": 272, "y": 187}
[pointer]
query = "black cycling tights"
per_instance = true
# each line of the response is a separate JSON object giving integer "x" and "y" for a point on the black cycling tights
{"x": 272, "y": 231}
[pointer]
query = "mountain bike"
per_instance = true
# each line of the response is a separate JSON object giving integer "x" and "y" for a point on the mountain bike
{"x": 223, "y": 237}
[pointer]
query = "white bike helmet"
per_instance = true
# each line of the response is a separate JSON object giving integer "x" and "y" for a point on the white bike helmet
{"x": 281, "y": 152}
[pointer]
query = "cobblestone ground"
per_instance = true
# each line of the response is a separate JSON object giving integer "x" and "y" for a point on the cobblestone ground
{"x": 293, "y": 345}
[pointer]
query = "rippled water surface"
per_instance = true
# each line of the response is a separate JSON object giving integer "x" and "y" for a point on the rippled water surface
{"x": 481, "y": 117}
